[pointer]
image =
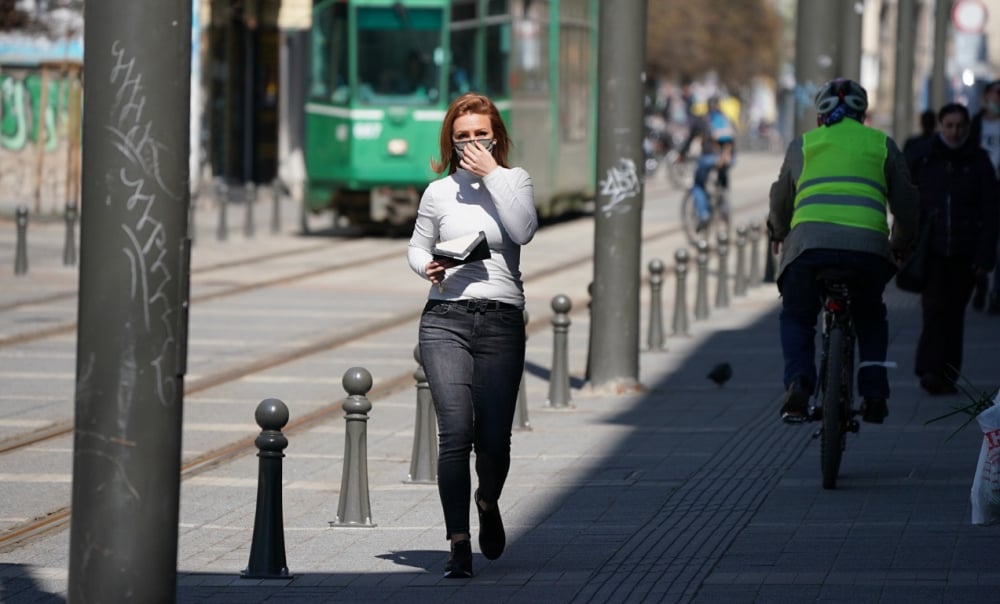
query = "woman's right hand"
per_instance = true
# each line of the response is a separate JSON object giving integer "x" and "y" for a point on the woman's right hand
{"x": 435, "y": 269}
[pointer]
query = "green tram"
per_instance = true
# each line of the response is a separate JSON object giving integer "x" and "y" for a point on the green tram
{"x": 383, "y": 72}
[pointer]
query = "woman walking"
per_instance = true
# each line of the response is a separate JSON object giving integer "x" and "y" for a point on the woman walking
{"x": 472, "y": 335}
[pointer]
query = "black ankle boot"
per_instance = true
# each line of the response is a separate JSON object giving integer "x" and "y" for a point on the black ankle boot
{"x": 459, "y": 564}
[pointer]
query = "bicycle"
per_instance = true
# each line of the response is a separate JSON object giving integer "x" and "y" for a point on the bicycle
{"x": 718, "y": 207}
{"x": 833, "y": 403}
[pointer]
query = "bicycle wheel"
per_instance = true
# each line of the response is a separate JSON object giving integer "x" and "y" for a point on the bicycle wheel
{"x": 832, "y": 433}
{"x": 689, "y": 219}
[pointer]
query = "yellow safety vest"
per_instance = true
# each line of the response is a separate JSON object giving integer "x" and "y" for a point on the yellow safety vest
{"x": 843, "y": 177}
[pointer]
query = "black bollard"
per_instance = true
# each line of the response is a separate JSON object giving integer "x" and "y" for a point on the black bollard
{"x": 69, "y": 248}
{"x": 21, "y": 250}
{"x": 559, "y": 378}
{"x": 655, "y": 339}
{"x": 722, "y": 275}
{"x": 521, "y": 421}
{"x": 250, "y": 199}
{"x": 267, "y": 550}
{"x": 276, "y": 189}
{"x": 354, "y": 508}
{"x": 680, "y": 324}
{"x": 740, "y": 281}
{"x": 423, "y": 459}
{"x": 701, "y": 294}
{"x": 192, "y": 231}
{"x": 755, "y": 229}
{"x": 222, "y": 198}
{"x": 590, "y": 312}
{"x": 770, "y": 265}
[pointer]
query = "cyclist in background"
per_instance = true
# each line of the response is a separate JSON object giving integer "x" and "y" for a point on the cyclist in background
{"x": 717, "y": 135}
{"x": 829, "y": 209}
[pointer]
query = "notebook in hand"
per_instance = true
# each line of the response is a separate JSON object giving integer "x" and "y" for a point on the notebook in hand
{"x": 467, "y": 248}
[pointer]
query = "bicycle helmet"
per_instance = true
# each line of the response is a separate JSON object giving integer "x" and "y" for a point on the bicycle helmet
{"x": 841, "y": 91}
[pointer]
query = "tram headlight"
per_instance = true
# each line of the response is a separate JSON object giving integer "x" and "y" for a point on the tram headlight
{"x": 397, "y": 146}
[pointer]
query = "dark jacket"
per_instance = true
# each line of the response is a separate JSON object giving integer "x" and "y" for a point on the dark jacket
{"x": 958, "y": 196}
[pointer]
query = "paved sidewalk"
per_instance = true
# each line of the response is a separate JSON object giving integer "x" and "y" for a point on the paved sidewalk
{"x": 687, "y": 492}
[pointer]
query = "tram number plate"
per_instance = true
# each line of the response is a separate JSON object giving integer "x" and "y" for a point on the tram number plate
{"x": 367, "y": 130}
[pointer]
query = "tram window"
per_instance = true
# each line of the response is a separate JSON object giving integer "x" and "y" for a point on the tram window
{"x": 396, "y": 48}
{"x": 574, "y": 59}
{"x": 328, "y": 74}
{"x": 498, "y": 60}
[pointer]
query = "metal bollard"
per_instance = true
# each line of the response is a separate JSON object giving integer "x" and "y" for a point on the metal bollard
{"x": 770, "y": 267}
{"x": 655, "y": 340}
{"x": 276, "y": 188}
{"x": 69, "y": 248}
{"x": 423, "y": 460}
{"x": 701, "y": 294}
{"x": 21, "y": 250}
{"x": 354, "y": 508}
{"x": 192, "y": 231}
{"x": 722, "y": 276}
{"x": 222, "y": 198}
{"x": 267, "y": 550}
{"x": 755, "y": 229}
{"x": 740, "y": 281}
{"x": 680, "y": 324}
{"x": 250, "y": 200}
{"x": 521, "y": 421}
{"x": 559, "y": 378}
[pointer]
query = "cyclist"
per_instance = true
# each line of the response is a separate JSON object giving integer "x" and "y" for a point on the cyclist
{"x": 717, "y": 139}
{"x": 829, "y": 210}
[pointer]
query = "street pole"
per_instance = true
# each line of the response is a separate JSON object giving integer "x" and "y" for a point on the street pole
{"x": 902, "y": 104}
{"x": 942, "y": 18}
{"x": 849, "y": 59}
{"x": 614, "y": 349}
{"x": 816, "y": 56}
{"x": 133, "y": 301}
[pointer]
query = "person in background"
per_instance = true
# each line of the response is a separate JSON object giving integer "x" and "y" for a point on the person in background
{"x": 985, "y": 131}
{"x": 718, "y": 137}
{"x": 958, "y": 198}
{"x": 829, "y": 209}
{"x": 471, "y": 336}
{"x": 928, "y": 125}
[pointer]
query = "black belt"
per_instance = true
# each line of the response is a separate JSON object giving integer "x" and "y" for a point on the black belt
{"x": 480, "y": 305}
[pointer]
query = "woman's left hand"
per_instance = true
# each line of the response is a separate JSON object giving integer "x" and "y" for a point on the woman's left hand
{"x": 477, "y": 160}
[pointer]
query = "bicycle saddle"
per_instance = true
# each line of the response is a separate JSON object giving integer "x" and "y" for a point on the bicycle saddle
{"x": 839, "y": 275}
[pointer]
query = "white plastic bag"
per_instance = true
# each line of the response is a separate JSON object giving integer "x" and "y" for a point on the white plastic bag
{"x": 986, "y": 483}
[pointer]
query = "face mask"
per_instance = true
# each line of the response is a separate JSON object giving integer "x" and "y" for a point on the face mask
{"x": 994, "y": 107}
{"x": 485, "y": 143}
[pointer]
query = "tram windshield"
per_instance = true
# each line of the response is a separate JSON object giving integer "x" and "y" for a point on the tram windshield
{"x": 399, "y": 55}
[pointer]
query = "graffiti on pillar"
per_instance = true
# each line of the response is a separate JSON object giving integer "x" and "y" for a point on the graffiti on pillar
{"x": 145, "y": 195}
{"x": 622, "y": 182}
{"x": 21, "y": 99}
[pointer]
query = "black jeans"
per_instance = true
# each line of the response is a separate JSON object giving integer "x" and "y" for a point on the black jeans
{"x": 473, "y": 356}
{"x": 802, "y": 299}
{"x": 943, "y": 301}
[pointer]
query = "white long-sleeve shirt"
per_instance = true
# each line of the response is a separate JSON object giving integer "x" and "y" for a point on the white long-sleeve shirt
{"x": 502, "y": 205}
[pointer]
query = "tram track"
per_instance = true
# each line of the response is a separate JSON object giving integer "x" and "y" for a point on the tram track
{"x": 59, "y": 518}
{"x": 232, "y": 290}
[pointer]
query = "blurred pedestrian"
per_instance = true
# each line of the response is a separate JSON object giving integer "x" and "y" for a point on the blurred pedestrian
{"x": 985, "y": 131}
{"x": 829, "y": 209}
{"x": 958, "y": 198}
{"x": 928, "y": 124}
{"x": 472, "y": 338}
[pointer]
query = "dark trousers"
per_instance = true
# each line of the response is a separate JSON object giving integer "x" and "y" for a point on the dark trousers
{"x": 474, "y": 361}
{"x": 802, "y": 299}
{"x": 943, "y": 301}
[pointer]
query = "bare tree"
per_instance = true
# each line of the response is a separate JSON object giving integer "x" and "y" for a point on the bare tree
{"x": 737, "y": 39}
